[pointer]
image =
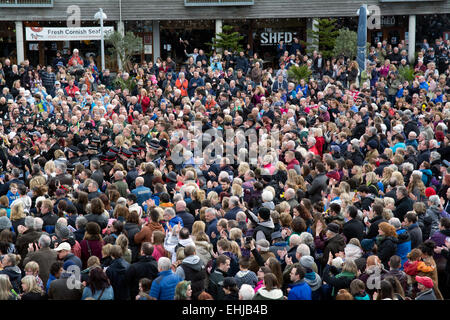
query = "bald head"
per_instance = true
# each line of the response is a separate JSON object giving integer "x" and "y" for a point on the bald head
{"x": 181, "y": 206}
{"x": 139, "y": 181}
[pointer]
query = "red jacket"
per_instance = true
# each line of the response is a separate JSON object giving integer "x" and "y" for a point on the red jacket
{"x": 145, "y": 103}
{"x": 71, "y": 91}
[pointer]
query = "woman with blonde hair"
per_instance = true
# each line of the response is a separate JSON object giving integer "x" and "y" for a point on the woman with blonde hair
{"x": 17, "y": 216}
{"x": 31, "y": 290}
{"x": 6, "y": 292}
{"x": 49, "y": 169}
{"x": 197, "y": 227}
{"x": 236, "y": 190}
{"x": 398, "y": 176}
{"x": 203, "y": 247}
{"x": 416, "y": 187}
{"x": 32, "y": 269}
{"x": 235, "y": 249}
{"x": 386, "y": 177}
{"x": 243, "y": 168}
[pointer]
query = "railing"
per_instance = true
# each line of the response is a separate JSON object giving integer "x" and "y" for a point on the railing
{"x": 208, "y": 3}
{"x": 26, "y": 3}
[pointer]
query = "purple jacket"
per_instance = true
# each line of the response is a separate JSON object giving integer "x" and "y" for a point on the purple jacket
{"x": 439, "y": 239}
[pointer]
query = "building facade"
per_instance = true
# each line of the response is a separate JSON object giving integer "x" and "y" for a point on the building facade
{"x": 161, "y": 24}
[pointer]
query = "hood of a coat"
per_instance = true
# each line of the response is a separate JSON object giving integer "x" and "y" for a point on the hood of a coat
{"x": 194, "y": 262}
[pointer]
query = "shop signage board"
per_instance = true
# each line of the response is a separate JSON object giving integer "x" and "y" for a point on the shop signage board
{"x": 66, "y": 34}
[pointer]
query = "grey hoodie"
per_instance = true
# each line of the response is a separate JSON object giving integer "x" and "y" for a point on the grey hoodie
{"x": 194, "y": 262}
{"x": 313, "y": 280}
{"x": 435, "y": 214}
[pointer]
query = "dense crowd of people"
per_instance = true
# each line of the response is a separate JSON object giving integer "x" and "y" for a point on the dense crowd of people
{"x": 333, "y": 187}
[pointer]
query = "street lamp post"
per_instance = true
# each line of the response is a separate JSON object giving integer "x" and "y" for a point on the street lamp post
{"x": 100, "y": 15}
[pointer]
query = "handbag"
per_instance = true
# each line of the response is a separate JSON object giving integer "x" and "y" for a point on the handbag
{"x": 89, "y": 250}
{"x": 101, "y": 294}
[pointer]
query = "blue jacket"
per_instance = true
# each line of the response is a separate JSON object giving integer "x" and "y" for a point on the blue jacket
{"x": 231, "y": 214}
{"x": 143, "y": 194}
{"x": 163, "y": 287}
{"x": 173, "y": 222}
{"x": 108, "y": 294}
{"x": 300, "y": 291}
{"x": 403, "y": 245}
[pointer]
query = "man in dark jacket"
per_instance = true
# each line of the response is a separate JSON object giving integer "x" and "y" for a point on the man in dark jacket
{"x": 318, "y": 185}
{"x": 367, "y": 198}
{"x": 373, "y": 220}
{"x": 395, "y": 263}
{"x": 403, "y": 203}
{"x": 145, "y": 267}
{"x": 188, "y": 219}
{"x": 353, "y": 228}
{"x": 117, "y": 272}
{"x": 360, "y": 128}
{"x": 411, "y": 225}
{"x": 60, "y": 290}
{"x": 333, "y": 243}
{"x": 28, "y": 234}
{"x": 192, "y": 269}
{"x": 215, "y": 287}
{"x": 354, "y": 153}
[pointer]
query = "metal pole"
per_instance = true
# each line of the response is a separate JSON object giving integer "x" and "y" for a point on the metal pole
{"x": 102, "y": 39}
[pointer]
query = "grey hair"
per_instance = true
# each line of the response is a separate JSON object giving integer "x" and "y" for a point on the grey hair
{"x": 80, "y": 222}
{"x": 29, "y": 222}
{"x": 408, "y": 166}
{"x": 435, "y": 201}
{"x": 306, "y": 238}
{"x": 38, "y": 223}
{"x": 234, "y": 200}
{"x": 434, "y": 156}
{"x": 170, "y": 212}
{"x": 246, "y": 292}
{"x": 131, "y": 163}
{"x": 44, "y": 241}
{"x": 164, "y": 264}
{"x": 62, "y": 166}
{"x": 395, "y": 222}
{"x": 212, "y": 211}
{"x": 303, "y": 250}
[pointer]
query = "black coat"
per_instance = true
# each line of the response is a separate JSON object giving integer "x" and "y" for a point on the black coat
{"x": 99, "y": 218}
{"x": 145, "y": 267}
{"x": 402, "y": 207}
{"x": 333, "y": 245}
{"x": 353, "y": 229}
{"x": 116, "y": 273}
{"x": 132, "y": 229}
{"x": 337, "y": 283}
{"x": 386, "y": 249}
{"x": 318, "y": 185}
{"x": 373, "y": 229}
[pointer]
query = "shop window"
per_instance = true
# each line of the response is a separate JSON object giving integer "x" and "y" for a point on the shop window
{"x": 26, "y": 3}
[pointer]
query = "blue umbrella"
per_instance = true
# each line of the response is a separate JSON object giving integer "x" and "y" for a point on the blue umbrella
{"x": 362, "y": 38}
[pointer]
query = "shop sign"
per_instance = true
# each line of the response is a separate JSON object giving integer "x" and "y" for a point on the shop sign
{"x": 268, "y": 37}
{"x": 388, "y": 20}
{"x": 66, "y": 34}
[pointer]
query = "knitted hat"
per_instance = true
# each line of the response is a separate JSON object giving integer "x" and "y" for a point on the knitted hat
{"x": 5, "y": 223}
{"x": 333, "y": 227}
{"x": 63, "y": 232}
{"x": 367, "y": 244}
{"x": 430, "y": 192}
{"x": 307, "y": 262}
{"x": 426, "y": 281}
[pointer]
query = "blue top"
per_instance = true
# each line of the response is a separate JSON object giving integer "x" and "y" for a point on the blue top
{"x": 163, "y": 287}
{"x": 108, "y": 294}
{"x": 300, "y": 291}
